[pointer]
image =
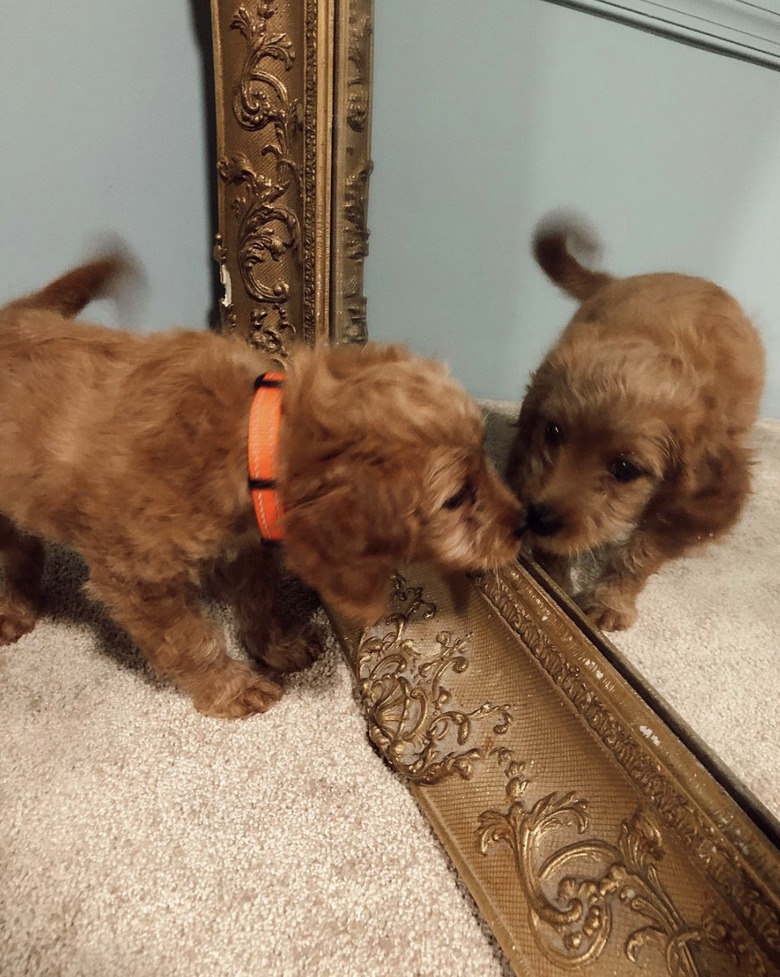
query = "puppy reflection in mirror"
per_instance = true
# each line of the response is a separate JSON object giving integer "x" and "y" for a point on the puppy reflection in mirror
{"x": 630, "y": 448}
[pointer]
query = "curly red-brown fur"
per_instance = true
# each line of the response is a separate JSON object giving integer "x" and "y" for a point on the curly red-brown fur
{"x": 132, "y": 450}
{"x": 631, "y": 437}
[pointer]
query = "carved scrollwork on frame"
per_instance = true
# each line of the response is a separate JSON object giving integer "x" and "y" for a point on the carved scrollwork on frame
{"x": 574, "y": 892}
{"x": 547, "y": 642}
{"x": 353, "y": 168}
{"x": 412, "y": 716}
{"x": 359, "y": 79}
{"x": 265, "y": 230}
{"x": 259, "y": 97}
{"x": 293, "y": 111}
{"x": 638, "y": 880}
{"x": 356, "y": 238}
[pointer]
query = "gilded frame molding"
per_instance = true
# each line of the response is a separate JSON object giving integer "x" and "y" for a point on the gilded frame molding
{"x": 590, "y": 835}
{"x": 292, "y": 91}
{"x": 592, "y": 830}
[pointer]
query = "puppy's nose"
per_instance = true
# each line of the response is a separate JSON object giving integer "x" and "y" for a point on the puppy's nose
{"x": 543, "y": 521}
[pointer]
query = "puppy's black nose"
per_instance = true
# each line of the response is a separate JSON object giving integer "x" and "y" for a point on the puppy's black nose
{"x": 543, "y": 521}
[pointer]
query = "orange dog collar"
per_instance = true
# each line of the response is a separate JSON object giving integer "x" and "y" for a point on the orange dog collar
{"x": 264, "y": 418}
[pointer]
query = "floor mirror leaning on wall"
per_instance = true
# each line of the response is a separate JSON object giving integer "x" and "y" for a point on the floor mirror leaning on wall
{"x": 662, "y": 135}
{"x": 508, "y": 716}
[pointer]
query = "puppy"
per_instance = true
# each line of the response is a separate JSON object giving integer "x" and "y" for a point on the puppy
{"x": 630, "y": 444}
{"x": 134, "y": 450}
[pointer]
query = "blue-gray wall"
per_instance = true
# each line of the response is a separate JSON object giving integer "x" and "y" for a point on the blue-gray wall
{"x": 103, "y": 127}
{"x": 488, "y": 115}
{"x": 485, "y": 116}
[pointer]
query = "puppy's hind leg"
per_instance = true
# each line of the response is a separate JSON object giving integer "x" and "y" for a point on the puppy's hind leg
{"x": 267, "y": 623}
{"x": 168, "y": 625}
{"x": 22, "y": 557}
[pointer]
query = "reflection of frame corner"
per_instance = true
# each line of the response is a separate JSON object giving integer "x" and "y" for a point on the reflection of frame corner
{"x": 734, "y": 27}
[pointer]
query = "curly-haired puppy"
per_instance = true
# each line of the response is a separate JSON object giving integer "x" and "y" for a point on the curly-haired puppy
{"x": 631, "y": 438}
{"x": 133, "y": 450}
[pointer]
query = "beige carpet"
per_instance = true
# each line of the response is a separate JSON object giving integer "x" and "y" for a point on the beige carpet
{"x": 139, "y": 839}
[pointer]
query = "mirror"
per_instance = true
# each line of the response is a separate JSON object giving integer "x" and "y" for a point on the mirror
{"x": 482, "y": 123}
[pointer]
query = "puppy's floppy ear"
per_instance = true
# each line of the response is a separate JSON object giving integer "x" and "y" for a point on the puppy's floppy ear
{"x": 707, "y": 485}
{"x": 347, "y": 536}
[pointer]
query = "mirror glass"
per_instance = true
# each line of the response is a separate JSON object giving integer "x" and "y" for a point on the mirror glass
{"x": 484, "y": 120}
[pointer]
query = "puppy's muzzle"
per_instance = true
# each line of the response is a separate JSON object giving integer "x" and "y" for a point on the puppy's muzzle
{"x": 542, "y": 521}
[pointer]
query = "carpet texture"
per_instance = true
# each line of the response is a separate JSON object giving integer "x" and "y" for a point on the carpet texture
{"x": 140, "y": 839}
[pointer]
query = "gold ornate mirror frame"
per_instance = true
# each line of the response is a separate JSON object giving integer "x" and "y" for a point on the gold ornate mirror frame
{"x": 595, "y": 833}
{"x": 292, "y": 83}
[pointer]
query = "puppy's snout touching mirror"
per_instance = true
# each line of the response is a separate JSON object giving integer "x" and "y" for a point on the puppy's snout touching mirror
{"x": 542, "y": 520}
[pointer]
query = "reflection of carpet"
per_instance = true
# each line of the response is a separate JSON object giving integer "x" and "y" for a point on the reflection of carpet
{"x": 138, "y": 838}
{"x": 708, "y": 634}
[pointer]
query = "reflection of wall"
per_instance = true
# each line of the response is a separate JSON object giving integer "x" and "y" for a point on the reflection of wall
{"x": 486, "y": 116}
{"x": 102, "y": 127}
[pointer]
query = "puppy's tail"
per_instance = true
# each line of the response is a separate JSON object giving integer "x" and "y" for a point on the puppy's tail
{"x": 113, "y": 272}
{"x": 553, "y": 236}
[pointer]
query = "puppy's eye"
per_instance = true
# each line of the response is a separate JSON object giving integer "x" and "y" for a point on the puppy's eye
{"x": 624, "y": 470}
{"x": 553, "y": 434}
{"x": 457, "y": 500}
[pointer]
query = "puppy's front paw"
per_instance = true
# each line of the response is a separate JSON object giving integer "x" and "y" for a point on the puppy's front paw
{"x": 297, "y": 652}
{"x": 241, "y": 693}
{"x": 17, "y": 617}
{"x": 289, "y": 652}
{"x": 610, "y": 618}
